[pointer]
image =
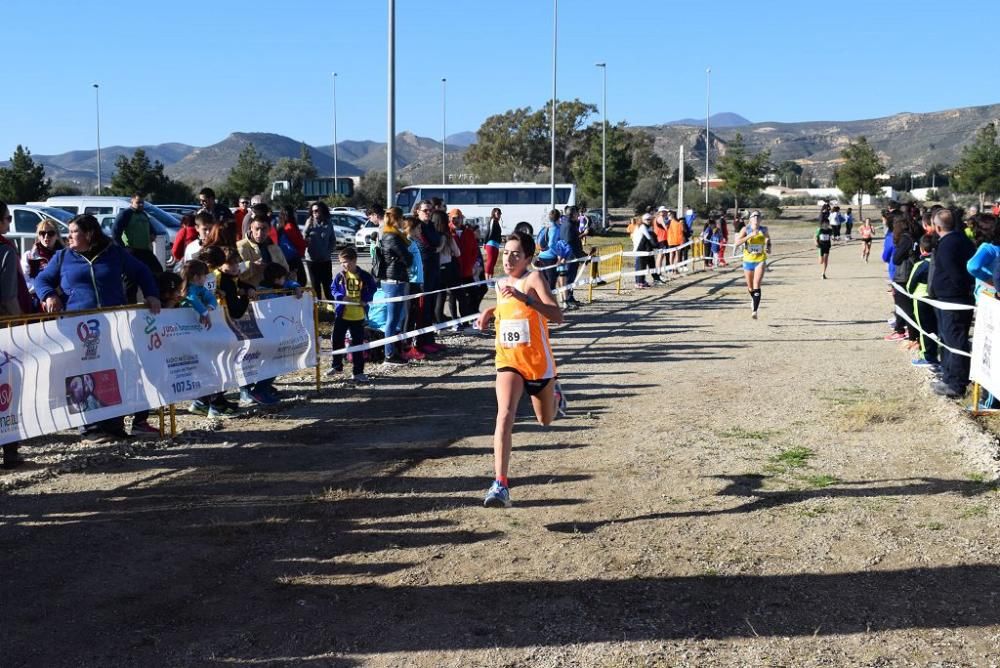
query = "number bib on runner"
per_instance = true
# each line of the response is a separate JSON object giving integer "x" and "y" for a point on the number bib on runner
{"x": 755, "y": 249}
{"x": 824, "y": 237}
{"x": 514, "y": 333}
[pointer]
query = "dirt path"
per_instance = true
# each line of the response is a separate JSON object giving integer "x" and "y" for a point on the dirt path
{"x": 724, "y": 492}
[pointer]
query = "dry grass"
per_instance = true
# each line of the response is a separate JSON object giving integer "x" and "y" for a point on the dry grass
{"x": 862, "y": 415}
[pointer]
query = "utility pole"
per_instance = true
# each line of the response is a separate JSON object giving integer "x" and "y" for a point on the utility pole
{"x": 444, "y": 129}
{"x": 336, "y": 181}
{"x": 604, "y": 145}
{"x": 555, "y": 42}
{"x": 708, "y": 115}
{"x": 390, "y": 147}
{"x": 97, "y": 100}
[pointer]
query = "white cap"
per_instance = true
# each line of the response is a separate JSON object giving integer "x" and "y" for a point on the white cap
{"x": 647, "y": 217}
{"x": 662, "y": 209}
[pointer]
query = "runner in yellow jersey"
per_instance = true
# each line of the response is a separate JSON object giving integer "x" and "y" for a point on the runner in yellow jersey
{"x": 757, "y": 246}
{"x": 524, "y": 361}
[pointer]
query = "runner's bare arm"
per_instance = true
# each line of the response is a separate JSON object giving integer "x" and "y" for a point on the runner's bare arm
{"x": 484, "y": 319}
{"x": 543, "y": 300}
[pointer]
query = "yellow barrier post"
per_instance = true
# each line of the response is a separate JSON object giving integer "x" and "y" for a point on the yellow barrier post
{"x": 975, "y": 398}
{"x": 621, "y": 265}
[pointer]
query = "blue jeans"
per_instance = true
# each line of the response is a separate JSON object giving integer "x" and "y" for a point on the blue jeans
{"x": 395, "y": 313}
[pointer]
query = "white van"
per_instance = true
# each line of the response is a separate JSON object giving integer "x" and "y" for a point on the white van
{"x": 106, "y": 208}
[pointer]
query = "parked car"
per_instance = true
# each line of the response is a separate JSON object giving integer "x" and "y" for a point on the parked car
{"x": 363, "y": 237}
{"x": 180, "y": 209}
{"x": 345, "y": 226}
{"x": 597, "y": 223}
{"x": 25, "y": 221}
{"x": 165, "y": 224}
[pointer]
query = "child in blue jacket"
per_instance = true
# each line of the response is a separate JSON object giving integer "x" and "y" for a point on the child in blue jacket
{"x": 357, "y": 287}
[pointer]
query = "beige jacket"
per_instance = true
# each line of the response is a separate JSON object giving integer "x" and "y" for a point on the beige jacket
{"x": 252, "y": 274}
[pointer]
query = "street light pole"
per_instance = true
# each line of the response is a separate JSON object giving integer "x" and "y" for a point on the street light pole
{"x": 555, "y": 41}
{"x": 444, "y": 129}
{"x": 390, "y": 148}
{"x": 97, "y": 100}
{"x": 708, "y": 115}
{"x": 604, "y": 144}
{"x": 336, "y": 181}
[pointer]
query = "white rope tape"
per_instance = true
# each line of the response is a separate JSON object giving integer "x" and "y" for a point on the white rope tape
{"x": 405, "y": 335}
{"x": 934, "y": 337}
{"x": 944, "y": 306}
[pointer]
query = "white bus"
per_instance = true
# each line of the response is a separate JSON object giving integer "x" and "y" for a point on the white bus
{"x": 519, "y": 202}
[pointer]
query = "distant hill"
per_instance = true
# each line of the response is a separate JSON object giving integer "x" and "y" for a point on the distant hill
{"x": 463, "y": 139}
{"x": 725, "y": 119}
{"x": 416, "y": 157}
{"x": 905, "y": 141}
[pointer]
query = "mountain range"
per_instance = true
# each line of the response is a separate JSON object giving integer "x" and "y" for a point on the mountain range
{"x": 905, "y": 141}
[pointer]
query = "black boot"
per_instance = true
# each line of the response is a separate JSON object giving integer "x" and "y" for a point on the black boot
{"x": 11, "y": 459}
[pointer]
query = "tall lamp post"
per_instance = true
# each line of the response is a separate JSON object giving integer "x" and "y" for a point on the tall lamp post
{"x": 97, "y": 101}
{"x": 604, "y": 144}
{"x": 555, "y": 42}
{"x": 444, "y": 130}
{"x": 336, "y": 181}
{"x": 390, "y": 152}
{"x": 708, "y": 115}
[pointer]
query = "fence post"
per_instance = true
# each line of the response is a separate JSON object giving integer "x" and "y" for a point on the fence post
{"x": 162, "y": 422}
{"x": 975, "y": 398}
{"x": 173, "y": 421}
{"x": 621, "y": 266}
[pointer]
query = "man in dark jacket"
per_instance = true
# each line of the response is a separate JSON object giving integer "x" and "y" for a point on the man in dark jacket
{"x": 951, "y": 282}
{"x": 135, "y": 233}
{"x": 569, "y": 231}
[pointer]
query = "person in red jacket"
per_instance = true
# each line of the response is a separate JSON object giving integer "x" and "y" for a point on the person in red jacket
{"x": 469, "y": 245}
{"x": 185, "y": 235}
{"x": 289, "y": 238}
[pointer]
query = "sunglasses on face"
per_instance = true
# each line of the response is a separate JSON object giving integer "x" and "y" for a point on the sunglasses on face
{"x": 47, "y": 233}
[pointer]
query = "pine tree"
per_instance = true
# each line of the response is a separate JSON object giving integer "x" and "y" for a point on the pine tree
{"x": 24, "y": 180}
{"x": 743, "y": 173}
{"x": 250, "y": 174}
{"x": 979, "y": 169}
{"x": 136, "y": 174}
{"x": 621, "y": 175}
{"x": 857, "y": 175}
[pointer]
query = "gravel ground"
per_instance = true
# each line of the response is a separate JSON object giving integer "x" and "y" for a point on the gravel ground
{"x": 725, "y": 491}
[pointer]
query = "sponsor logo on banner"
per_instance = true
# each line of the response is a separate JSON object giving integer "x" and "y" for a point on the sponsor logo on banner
{"x": 8, "y": 421}
{"x": 245, "y": 328}
{"x": 295, "y": 338}
{"x": 89, "y": 333}
{"x": 90, "y": 391}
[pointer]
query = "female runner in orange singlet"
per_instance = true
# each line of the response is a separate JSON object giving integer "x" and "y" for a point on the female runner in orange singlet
{"x": 524, "y": 361}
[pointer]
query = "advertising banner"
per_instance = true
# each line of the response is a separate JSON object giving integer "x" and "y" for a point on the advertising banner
{"x": 983, "y": 370}
{"x": 74, "y": 370}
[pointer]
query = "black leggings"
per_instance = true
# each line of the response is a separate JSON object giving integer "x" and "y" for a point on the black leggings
{"x": 906, "y": 305}
{"x": 321, "y": 278}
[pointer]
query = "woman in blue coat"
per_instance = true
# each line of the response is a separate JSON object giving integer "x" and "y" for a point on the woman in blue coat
{"x": 88, "y": 275}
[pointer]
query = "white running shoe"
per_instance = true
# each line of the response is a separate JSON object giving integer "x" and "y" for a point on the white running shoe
{"x": 560, "y": 397}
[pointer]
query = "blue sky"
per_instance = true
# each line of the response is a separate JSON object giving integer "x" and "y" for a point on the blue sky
{"x": 193, "y": 72}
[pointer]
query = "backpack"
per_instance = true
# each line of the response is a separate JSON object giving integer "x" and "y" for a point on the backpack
{"x": 542, "y": 239}
{"x": 378, "y": 262}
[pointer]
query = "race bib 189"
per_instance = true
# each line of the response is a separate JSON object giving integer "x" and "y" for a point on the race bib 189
{"x": 755, "y": 249}
{"x": 514, "y": 333}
